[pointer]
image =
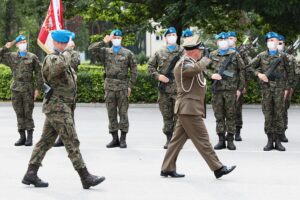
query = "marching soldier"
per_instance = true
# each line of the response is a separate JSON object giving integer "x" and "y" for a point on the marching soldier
{"x": 25, "y": 68}
{"x": 75, "y": 62}
{"x": 232, "y": 39}
{"x": 60, "y": 92}
{"x": 190, "y": 110}
{"x": 118, "y": 61}
{"x": 271, "y": 67}
{"x": 227, "y": 72}
{"x": 160, "y": 67}
{"x": 291, "y": 65}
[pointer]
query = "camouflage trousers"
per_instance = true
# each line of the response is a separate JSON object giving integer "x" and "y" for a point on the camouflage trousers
{"x": 117, "y": 103}
{"x": 239, "y": 111}
{"x": 58, "y": 124}
{"x": 23, "y": 104}
{"x": 273, "y": 109}
{"x": 285, "y": 115}
{"x": 224, "y": 107}
{"x": 166, "y": 104}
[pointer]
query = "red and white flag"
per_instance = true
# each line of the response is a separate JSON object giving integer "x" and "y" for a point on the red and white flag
{"x": 53, "y": 21}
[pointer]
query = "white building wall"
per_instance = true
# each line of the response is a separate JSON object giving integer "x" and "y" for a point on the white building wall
{"x": 153, "y": 43}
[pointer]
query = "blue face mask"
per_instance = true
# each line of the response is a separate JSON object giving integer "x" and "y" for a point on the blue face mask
{"x": 222, "y": 52}
{"x": 273, "y": 53}
{"x": 171, "y": 48}
{"x": 116, "y": 49}
{"x": 22, "y": 54}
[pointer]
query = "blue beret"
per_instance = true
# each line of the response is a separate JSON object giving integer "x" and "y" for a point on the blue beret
{"x": 20, "y": 38}
{"x": 281, "y": 38}
{"x": 187, "y": 33}
{"x": 170, "y": 30}
{"x": 231, "y": 34}
{"x": 117, "y": 32}
{"x": 73, "y": 35}
{"x": 221, "y": 35}
{"x": 271, "y": 35}
{"x": 62, "y": 36}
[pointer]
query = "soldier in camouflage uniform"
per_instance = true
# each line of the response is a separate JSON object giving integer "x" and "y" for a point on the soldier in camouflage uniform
{"x": 275, "y": 84}
{"x": 25, "y": 68}
{"x": 227, "y": 88}
{"x": 292, "y": 66}
{"x": 75, "y": 62}
{"x": 58, "y": 107}
{"x": 232, "y": 39}
{"x": 157, "y": 68}
{"x": 118, "y": 61}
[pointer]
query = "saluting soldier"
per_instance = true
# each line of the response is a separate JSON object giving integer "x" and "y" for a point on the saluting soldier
{"x": 227, "y": 70}
{"x": 232, "y": 39}
{"x": 159, "y": 67}
{"x": 276, "y": 79}
{"x": 27, "y": 81}
{"x": 190, "y": 110}
{"x": 75, "y": 62}
{"x": 118, "y": 62}
{"x": 60, "y": 93}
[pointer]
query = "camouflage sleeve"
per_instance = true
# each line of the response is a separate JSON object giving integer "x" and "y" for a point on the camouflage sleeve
{"x": 5, "y": 56}
{"x": 133, "y": 70}
{"x": 58, "y": 63}
{"x": 254, "y": 65}
{"x": 245, "y": 56}
{"x": 242, "y": 73}
{"x": 152, "y": 66}
{"x": 289, "y": 63}
{"x": 190, "y": 69}
{"x": 75, "y": 60}
{"x": 98, "y": 50}
{"x": 38, "y": 73}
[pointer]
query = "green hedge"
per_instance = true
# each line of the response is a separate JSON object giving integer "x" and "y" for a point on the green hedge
{"x": 90, "y": 86}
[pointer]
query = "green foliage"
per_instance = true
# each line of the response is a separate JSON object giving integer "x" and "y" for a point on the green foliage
{"x": 142, "y": 58}
{"x": 5, "y": 82}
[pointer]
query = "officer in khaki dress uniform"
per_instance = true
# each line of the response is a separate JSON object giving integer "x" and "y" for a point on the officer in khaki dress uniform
{"x": 190, "y": 111}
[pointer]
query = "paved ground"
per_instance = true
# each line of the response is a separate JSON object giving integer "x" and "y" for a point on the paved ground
{"x": 133, "y": 173}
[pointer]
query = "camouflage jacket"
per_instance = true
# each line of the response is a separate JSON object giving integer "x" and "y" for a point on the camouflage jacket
{"x": 117, "y": 66}
{"x": 75, "y": 60}
{"x": 159, "y": 63}
{"x": 58, "y": 73}
{"x": 24, "y": 70}
{"x": 236, "y": 67}
{"x": 283, "y": 74}
{"x": 292, "y": 64}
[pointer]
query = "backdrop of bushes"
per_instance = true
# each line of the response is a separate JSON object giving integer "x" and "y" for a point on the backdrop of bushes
{"x": 90, "y": 86}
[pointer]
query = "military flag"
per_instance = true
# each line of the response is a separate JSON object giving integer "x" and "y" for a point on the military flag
{"x": 53, "y": 21}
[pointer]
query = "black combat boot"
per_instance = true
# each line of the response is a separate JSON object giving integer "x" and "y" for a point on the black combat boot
{"x": 88, "y": 180}
{"x": 59, "y": 143}
{"x": 278, "y": 145}
{"x": 31, "y": 177}
{"x": 230, "y": 144}
{"x": 22, "y": 139}
{"x": 172, "y": 174}
{"x": 115, "y": 141}
{"x": 283, "y": 138}
{"x": 29, "y": 138}
{"x": 223, "y": 171}
{"x": 169, "y": 137}
{"x": 221, "y": 144}
{"x": 123, "y": 140}
{"x": 238, "y": 134}
{"x": 269, "y": 145}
